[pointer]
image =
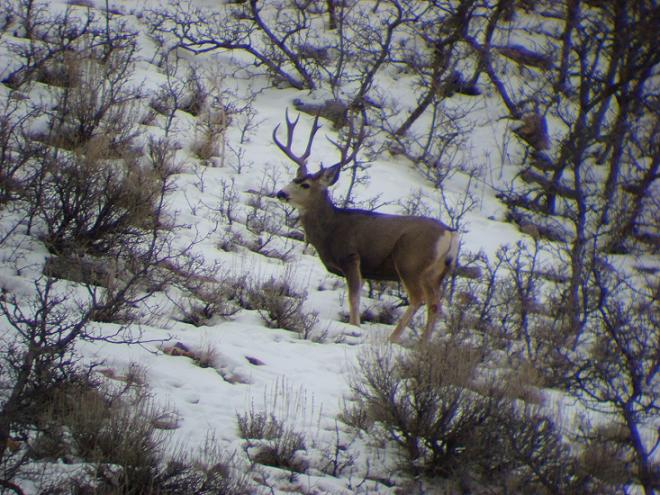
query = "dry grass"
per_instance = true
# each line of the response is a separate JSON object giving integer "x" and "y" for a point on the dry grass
{"x": 271, "y": 435}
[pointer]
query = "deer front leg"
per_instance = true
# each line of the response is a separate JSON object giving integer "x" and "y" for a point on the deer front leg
{"x": 351, "y": 270}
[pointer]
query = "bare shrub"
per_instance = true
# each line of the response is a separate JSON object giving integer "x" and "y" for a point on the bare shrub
{"x": 205, "y": 304}
{"x": 390, "y": 387}
{"x": 281, "y": 306}
{"x": 90, "y": 204}
{"x": 88, "y": 190}
{"x": 449, "y": 424}
{"x": 117, "y": 433}
{"x": 604, "y": 452}
{"x": 437, "y": 155}
{"x": 16, "y": 150}
{"x": 273, "y": 45}
{"x": 197, "y": 93}
{"x": 50, "y": 38}
{"x": 228, "y": 200}
{"x": 258, "y": 425}
{"x": 170, "y": 96}
{"x": 107, "y": 429}
{"x": 338, "y": 456}
{"x": 239, "y": 290}
{"x": 283, "y": 453}
{"x": 264, "y": 220}
{"x": 207, "y": 471}
{"x": 508, "y": 308}
{"x": 205, "y": 297}
{"x": 211, "y": 127}
{"x": 34, "y": 359}
{"x": 214, "y": 115}
{"x": 237, "y": 160}
{"x": 231, "y": 241}
{"x": 280, "y": 443}
{"x": 615, "y": 372}
{"x": 520, "y": 294}
{"x": 386, "y": 312}
{"x": 271, "y": 436}
{"x": 97, "y": 102}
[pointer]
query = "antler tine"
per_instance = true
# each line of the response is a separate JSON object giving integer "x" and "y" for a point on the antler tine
{"x": 287, "y": 149}
{"x": 352, "y": 142}
{"x": 315, "y": 127}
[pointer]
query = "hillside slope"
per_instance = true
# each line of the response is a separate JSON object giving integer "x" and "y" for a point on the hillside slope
{"x": 166, "y": 329}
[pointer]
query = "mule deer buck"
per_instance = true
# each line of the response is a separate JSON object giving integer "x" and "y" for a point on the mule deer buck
{"x": 360, "y": 244}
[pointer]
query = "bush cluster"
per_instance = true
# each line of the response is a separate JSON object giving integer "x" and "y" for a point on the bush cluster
{"x": 119, "y": 434}
{"x": 453, "y": 427}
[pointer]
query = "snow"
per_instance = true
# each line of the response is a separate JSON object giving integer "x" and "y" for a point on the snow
{"x": 303, "y": 381}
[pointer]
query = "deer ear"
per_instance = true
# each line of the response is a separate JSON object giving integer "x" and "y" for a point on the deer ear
{"x": 330, "y": 175}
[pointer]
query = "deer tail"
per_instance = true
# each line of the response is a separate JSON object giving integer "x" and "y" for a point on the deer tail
{"x": 451, "y": 258}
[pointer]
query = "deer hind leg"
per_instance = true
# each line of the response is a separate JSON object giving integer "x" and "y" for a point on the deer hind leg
{"x": 416, "y": 300}
{"x": 433, "y": 309}
{"x": 433, "y": 293}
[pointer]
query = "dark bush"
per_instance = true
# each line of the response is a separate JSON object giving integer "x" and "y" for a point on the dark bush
{"x": 118, "y": 434}
{"x": 452, "y": 427}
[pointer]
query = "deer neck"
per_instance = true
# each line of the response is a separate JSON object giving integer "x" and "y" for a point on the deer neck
{"x": 317, "y": 221}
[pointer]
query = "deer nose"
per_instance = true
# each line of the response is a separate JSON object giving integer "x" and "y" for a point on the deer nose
{"x": 282, "y": 195}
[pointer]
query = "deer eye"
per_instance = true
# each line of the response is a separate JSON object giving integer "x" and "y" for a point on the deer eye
{"x": 304, "y": 185}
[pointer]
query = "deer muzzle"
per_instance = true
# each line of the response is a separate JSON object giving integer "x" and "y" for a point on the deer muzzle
{"x": 283, "y": 196}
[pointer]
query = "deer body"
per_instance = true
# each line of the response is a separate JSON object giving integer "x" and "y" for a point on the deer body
{"x": 360, "y": 244}
{"x": 380, "y": 241}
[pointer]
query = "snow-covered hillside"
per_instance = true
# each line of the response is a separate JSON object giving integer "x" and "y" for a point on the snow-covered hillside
{"x": 232, "y": 332}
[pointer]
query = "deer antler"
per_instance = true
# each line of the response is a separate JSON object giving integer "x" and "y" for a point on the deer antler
{"x": 290, "y": 129}
{"x": 353, "y": 141}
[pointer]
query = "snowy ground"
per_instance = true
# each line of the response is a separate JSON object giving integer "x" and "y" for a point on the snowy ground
{"x": 273, "y": 369}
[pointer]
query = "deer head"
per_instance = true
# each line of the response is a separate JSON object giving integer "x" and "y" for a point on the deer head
{"x": 306, "y": 188}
